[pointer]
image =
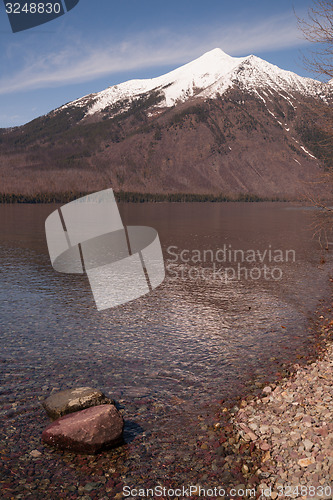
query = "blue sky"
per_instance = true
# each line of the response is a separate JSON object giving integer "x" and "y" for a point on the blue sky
{"x": 103, "y": 42}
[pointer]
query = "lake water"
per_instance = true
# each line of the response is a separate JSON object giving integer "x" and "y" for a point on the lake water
{"x": 170, "y": 356}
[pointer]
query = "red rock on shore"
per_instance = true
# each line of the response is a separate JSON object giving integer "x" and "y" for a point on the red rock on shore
{"x": 86, "y": 431}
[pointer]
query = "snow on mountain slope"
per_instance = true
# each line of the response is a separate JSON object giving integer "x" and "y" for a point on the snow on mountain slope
{"x": 179, "y": 84}
{"x": 209, "y": 75}
{"x": 254, "y": 73}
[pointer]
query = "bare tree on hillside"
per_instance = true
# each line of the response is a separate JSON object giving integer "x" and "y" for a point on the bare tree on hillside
{"x": 317, "y": 28}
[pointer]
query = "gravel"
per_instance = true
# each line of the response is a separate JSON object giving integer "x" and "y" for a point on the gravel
{"x": 292, "y": 424}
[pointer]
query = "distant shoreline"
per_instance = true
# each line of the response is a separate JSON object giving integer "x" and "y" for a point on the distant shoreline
{"x": 134, "y": 197}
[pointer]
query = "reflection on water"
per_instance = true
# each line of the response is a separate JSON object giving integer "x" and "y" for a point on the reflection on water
{"x": 198, "y": 340}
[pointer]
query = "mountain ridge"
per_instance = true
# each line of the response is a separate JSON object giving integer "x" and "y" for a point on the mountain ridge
{"x": 216, "y": 125}
{"x": 210, "y": 74}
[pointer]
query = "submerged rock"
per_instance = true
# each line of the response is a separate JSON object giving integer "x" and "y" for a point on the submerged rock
{"x": 86, "y": 431}
{"x": 72, "y": 400}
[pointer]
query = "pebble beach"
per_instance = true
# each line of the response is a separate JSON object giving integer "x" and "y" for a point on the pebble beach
{"x": 291, "y": 426}
{"x": 274, "y": 442}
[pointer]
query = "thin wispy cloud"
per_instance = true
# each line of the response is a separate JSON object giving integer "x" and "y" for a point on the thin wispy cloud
{"x": 82, "y": 61}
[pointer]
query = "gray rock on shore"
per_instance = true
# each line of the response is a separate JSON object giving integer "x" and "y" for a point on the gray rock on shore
{"x": 72, "y": 400}
{"x": 87, "y": 431}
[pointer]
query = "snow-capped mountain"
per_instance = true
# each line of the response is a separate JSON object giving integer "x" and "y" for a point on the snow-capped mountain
{"x": 218, "y": 124}
{"x": 178, "y": 85}
{"x": 206, "y": 77}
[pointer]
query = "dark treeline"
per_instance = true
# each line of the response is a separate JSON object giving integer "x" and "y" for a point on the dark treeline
{"x": 187, "y": 197}
{"x": 64, "y": 197}
{"x": 133, "y": 197}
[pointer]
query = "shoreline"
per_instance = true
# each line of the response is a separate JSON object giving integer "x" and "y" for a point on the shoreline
{"x": 280, "y": 437}
{"x": 223, "y": 447}
{"x": 136, "y": 197}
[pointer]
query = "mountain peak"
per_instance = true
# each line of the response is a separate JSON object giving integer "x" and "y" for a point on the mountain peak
{"x": 214, "y": 54}
{"x": 218, "y": 124}
{"x": 177, "y": 85}
{"x": 215, "y": 62}
{"x": 210, "y": 74}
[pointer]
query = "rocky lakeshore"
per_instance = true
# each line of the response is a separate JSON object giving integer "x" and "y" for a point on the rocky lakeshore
{"x": 287, "y": 430}
{"x": 277, "y": 435}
